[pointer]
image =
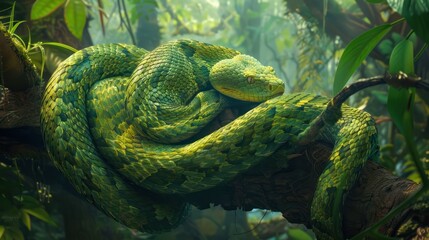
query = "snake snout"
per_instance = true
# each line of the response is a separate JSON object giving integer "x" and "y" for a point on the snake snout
{"x": 276, "y": 87}
{"x": 276, "y": 90}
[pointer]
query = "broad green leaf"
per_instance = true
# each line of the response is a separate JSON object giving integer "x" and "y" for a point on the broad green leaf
{"x": 75, "y": 17}
{"x": 401, "y": 58}
{"x": 42, "y": 8}
{"x": 298, "y": 234}
{"x": 396, "y": 5}
{"x": 29, "y": 202}
{"x": 26, "y": 220}
{"x": 400, "y": 101}
{"x": 416, "y": 12}
{"x": 355, "y": 52}
{"x": 2, "y": 229}
{"x": 41, "y": 214}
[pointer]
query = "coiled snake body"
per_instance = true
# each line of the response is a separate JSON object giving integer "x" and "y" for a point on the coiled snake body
{"x": 114, "y": 119}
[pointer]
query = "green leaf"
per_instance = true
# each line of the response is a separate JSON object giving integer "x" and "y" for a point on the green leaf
{"x": 29, "y": 202}
{"x": 376, "y": 1}
{"x": 60, "y": 45}
{"x": 15, "y": 26}
{"x": 399, "y": 105}
{"x": 26, "y": 220}
{"x": 355, "y": 52}
{"x": 401, "y": 58}
{"x": 42, "y": 8}
{"x": 298, "y": 234}
{"x": 75, "y": 17}
{"x": 416, "y": 12}
{"x": 2, "y": 229}
{"x": 400, "y": 101}
{"x": 396, "y": 5}
{"x": 41, "y": 214}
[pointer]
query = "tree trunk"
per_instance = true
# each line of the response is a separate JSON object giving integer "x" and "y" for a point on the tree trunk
{"x": 148, "y": 31}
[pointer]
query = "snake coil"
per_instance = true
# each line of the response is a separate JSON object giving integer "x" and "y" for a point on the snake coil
{"x": 114, "y": 118}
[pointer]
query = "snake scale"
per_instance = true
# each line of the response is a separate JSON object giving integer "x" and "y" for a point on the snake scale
{"x": 117, "y": 122}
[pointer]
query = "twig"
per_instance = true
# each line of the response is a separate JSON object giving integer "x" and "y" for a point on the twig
{"x": 333, "y": 110}
{"x": 125, "y": 20}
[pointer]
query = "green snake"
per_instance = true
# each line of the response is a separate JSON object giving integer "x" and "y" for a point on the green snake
{"x": 120, "y": 123}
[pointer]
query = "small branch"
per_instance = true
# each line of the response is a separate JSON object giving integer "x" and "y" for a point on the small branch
{"x": 182, "y": 28}
{"x": 333, "y": 110}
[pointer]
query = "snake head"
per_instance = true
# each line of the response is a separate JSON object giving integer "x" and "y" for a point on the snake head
{"x": 245, "y": 78}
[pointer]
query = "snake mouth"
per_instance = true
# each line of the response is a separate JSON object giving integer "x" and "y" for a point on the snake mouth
{"x": 277, "y": 94}
{"x": 225, "y": 90}
{"x": 236, "y": 94}
{"x": 232, "y": 93}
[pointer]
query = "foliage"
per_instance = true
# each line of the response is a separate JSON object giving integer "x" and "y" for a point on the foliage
{"x": 34, "y": 51}
{"x": 416, "y": 13}
{"x": 400, "y": 101}
{"x": 314, "y": 60}
{"x": 17, "y": 205}
{"x": 358, "y": 49}
{"x": 355, "y": 52}
{"x": 74, "y": 13}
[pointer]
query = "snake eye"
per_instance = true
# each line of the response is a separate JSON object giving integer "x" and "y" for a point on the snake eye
{"x": 250, "y": 80}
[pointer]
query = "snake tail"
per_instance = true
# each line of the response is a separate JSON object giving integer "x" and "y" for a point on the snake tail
{"x": 354, "y": 139}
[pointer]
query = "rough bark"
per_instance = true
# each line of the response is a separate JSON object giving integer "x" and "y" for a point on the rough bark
{"x": 290, "y": 190}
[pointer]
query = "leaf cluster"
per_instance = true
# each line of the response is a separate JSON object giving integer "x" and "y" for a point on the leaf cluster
{"x": 17, "y": 205}
{"x": 400, "y": 100}
{"x": 74, "y": 13}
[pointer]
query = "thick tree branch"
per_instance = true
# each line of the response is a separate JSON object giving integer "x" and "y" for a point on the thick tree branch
{"x": 286, "y": 183}
{"x": 290, "y": 189}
